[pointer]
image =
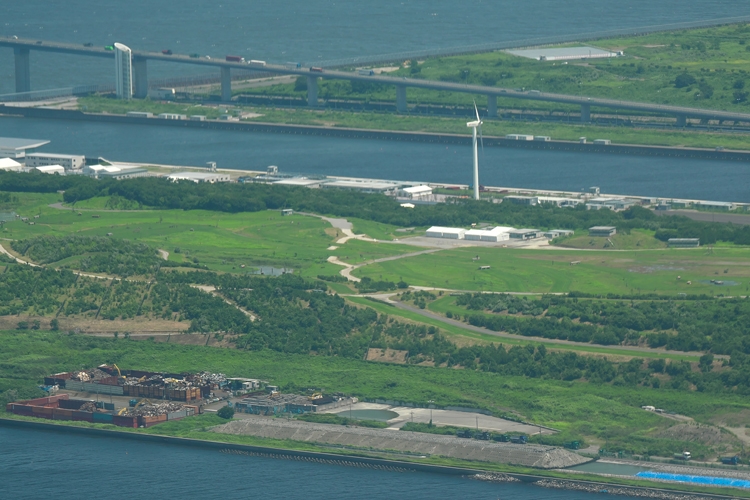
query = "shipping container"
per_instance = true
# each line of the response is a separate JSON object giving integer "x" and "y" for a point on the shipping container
{"x": 176, "y": 415}
{"x": 62, "y": 414}
{"x": 72, "y": 404}
{"x": 125, "y": 421}
{"x": 103, "y": 418}
{"x": 83, "y": 416}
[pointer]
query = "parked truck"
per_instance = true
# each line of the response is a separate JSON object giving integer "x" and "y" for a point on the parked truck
{"x": 730, "y": 460}
{"x": 161, "y": 94}
{"x": 685, "y": 455}
{"x": 237, "y": 59}
{"x": 366, "y": 72}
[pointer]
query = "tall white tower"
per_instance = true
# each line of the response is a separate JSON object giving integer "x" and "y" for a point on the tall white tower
{"x": 123, "y": 72}
{"x": 474, "y": 126}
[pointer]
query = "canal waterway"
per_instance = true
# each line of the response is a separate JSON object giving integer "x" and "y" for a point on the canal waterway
{"x": 308, "y": 32}
{"x": 381, "y": 159}
{"x": 52, "y": 464}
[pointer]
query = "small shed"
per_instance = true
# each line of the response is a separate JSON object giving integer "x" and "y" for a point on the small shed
{"x": 684, "y": 242}
{"x": 603, "y": 231}
{"x": 524, "y": 234}
{"x": 287, "y": 211}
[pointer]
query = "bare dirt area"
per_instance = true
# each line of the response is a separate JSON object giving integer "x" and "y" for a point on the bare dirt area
{"x": 700, "y": 433}
{"x": 386, "y": 356}
{"x": 99, "y": 326}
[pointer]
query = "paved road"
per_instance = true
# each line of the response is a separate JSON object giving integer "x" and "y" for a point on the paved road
{"x": 626, "y": 350}
{"x": 49, "y": 46}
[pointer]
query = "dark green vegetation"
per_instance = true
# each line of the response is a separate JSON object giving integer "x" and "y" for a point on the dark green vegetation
{"x": 601, "y": 413}
{"x": 332, "y": 418}
{"x": 234, "y": 198}
{"x": 689, "y": 323}
{"x": 226, "y": 412}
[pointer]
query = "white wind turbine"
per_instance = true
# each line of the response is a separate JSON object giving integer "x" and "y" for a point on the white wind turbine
{"x": 474, "y": 126}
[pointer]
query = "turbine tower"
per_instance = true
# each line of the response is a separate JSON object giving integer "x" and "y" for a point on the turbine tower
{"x": 474, "y": 126}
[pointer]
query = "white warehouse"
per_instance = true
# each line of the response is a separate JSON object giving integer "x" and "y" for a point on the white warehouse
{"x": 68, "y": 162}
{"x": 451, "y": 233}
{"x": 494, "y": 235}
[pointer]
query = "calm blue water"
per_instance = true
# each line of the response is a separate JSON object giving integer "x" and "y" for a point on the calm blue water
{"x": 637, "y": 175}
{"x": 43, "y": 464}
{"x": 309, "y": 31}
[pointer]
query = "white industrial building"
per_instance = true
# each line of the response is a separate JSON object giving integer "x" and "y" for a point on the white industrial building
{"x": 10, "y": 147}
{"x": 50, "y": 169}
{"x": 172, "y": 116}
{"x": 10, "y": 165}
{"x": 301, "y": 181}
{"x": 363, "y": 186}
{"x": 68, "y": 162}
{"x": 114, "y": 172}
{"x": 715, "y": 205}
{"x": 564, "y": 53}
{"x": 417, "y": 192}
{"x": 556, "y": 233}
{"x": 123, "y": 71}
{"x": 610, "y": 203}
{"x": 522, "y": 200}
{"x": 492, "y": 235}
{"x": 451, "y": 233}
{"x": 199, "y": 177}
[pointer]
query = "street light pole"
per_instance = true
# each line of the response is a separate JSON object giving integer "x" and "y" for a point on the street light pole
{"x": 430, "y": 403}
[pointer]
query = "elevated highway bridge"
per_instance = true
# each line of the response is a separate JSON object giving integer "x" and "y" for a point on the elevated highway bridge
{"x": 23, "y": 47}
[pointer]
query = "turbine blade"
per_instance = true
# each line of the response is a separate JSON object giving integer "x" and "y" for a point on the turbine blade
{"x": 476, "y": 111}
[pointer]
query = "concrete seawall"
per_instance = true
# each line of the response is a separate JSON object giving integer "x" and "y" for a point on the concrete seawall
{"x": 349, "y": 460}
{"x": 354, "y": 133}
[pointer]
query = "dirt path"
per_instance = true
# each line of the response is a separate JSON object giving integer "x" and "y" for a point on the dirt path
{"x": 348, "y": 268}
{"x": 20, "y": 261}
{"x": 212, "y": 290}
{"x": 626, "y": 350}
{"x": 164, "y": 254}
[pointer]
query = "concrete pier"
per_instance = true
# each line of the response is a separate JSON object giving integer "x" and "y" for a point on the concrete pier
{"x": 140, "y": 78}
{"x": 23, "y": 70}
{"x": 312, "y": 91}
{"x": 681, "y": 121}
{"x": 585, "y": 113}
{"x": 492, "y": 106}
{"x": 401, "y": 98}
{"x": 226, "y": 84}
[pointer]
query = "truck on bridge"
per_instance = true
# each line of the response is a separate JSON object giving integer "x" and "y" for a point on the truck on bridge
{"x": 237, "y": 59}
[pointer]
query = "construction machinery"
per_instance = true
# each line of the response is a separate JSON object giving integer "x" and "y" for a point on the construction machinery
{"x": 119, "y": 373}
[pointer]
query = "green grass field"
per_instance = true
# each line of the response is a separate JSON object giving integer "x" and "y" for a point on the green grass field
{"x": 222, "y": 241}
{"x": 599, "y": 414}
{"x": 550, "y": 271}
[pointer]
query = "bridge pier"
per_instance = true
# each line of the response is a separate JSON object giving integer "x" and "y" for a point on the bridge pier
{"x": 492, "y": 106}
{"x": 23, "y": 69}
{"x": 312, "y": 91}
{"x": 681, "y": 121}
{"x": 226, "y": 84}
{"x": 585, "y": 113}
{"x": 140, "y": 78}
{"x": 401, "y": 98}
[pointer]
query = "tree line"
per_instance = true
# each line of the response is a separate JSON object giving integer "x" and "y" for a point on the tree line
{"x": 233, "y": 198}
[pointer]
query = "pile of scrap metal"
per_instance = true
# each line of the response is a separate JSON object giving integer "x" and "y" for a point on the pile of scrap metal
{"x": 89, "y": 375}
{"x": 153, "y": 409}
{"x": 88, "y": 406}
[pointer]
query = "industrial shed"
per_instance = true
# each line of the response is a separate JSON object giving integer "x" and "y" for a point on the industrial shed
{"x": 493, "y": 235}
{"x": 452, "y": 233}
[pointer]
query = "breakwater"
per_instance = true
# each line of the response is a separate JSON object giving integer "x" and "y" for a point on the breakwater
{"x": 365, "y": 462}
{"x": 357, "y": 133}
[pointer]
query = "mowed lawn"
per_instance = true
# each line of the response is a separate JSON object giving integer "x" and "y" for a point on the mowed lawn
{"x": 222, "y": 241}
{"x": 548, "y": 271}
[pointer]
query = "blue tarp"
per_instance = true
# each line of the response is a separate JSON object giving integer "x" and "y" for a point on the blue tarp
{"x": 703, "y": 480}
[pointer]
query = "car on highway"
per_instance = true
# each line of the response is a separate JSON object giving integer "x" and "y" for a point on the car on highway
{"x": 88, "y": 44}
